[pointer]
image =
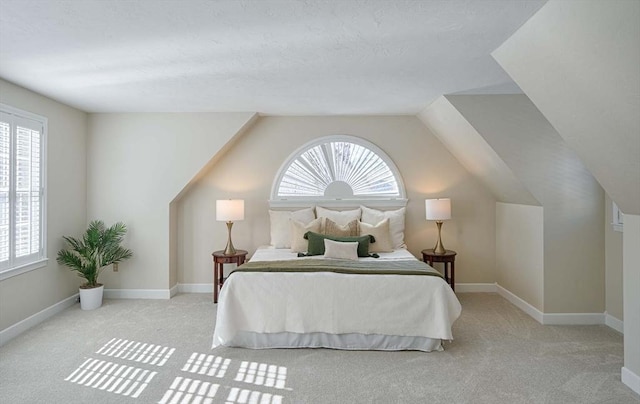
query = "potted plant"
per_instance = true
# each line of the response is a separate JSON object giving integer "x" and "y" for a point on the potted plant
{"x": 98, "y": 248}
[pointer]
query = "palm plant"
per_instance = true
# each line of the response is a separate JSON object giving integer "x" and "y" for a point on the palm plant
{"x": 98, "y": 248}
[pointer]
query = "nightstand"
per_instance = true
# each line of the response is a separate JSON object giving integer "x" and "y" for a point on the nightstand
{"x": 448, "y": 259}
{"x": 219, "y": 259}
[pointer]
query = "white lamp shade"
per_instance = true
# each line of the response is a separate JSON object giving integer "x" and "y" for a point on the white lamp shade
{"x": 229, "y": 210}
{"x": 438, "y": 209}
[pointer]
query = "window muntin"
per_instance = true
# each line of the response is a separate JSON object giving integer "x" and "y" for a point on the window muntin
{"x": 22, "y": 242}
{"x": 338, "y": 168}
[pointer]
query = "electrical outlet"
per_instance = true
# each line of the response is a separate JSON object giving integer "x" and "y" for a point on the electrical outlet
{"x": 115, "y": 267}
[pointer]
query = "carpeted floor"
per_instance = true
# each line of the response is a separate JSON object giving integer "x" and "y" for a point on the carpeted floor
{"x": 155, "y": 351}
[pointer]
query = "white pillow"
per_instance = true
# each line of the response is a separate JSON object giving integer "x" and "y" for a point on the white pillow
{"x": 281, "y": 228}
{"x": 396, "y": 222}
{"x": 381, "y": 233}
{"x": 344, "y": 250}
{"x": 298, "y": 229}
{"x": 341, "y": 217}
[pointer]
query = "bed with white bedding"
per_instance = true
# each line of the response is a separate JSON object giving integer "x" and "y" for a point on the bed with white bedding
{"x": 334, "y": 310}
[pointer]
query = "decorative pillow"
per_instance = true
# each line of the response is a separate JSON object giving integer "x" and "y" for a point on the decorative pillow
{"x": 344, "y": 250}
{"x": 332, "y": 228}
{"x": 298, "y": 231}
{"x": 281, "y": 228}
{"x": 396, "y": 222}
{"x": 316, "y": 243}
{"x": 340, "y": 217}
{"x": 381, "y": 233}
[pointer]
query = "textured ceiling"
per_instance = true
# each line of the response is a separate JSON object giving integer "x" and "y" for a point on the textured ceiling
{"x": 274, "y": 57}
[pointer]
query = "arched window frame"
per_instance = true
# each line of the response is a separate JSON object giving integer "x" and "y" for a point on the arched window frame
{"x": 369, "y": 200}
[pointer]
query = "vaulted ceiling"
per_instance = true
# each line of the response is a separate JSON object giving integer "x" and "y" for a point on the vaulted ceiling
{"x": 275, "y": 57}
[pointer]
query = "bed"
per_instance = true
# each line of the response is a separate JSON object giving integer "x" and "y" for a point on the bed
{"x": 386, "y": 310}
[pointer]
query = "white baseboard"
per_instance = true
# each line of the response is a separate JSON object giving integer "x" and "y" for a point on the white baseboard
{"x": 137, "y": 294}
{"x": 573, "y": 318}
{"x": 476, "y": 287}
{"x": 631, "y": 379}
{"x": 195, "y": 287}
{"x": 558, "y": 318}
{"x": 18, "y": 328}
{"x": 174, "y": 290}
{"x": 614, "y": 323}
{"x": 521, "y": 304}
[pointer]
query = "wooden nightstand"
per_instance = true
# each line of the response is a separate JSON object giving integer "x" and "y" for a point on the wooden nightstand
{"x": 219, "y": 258}
{"x": 448, "y": 259}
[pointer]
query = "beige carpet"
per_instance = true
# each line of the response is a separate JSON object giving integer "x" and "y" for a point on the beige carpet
{"x": 153, "y": 351}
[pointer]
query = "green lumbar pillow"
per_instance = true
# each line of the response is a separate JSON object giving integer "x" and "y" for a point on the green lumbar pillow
{"x": 316, "y": 243}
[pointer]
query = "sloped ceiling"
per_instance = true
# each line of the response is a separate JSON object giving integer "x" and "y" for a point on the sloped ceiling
{"x": 474, "y": 153}
{"x": 292, "y": 57}
{"x": 579, "y": 62}
{"x": 532, "y": 149}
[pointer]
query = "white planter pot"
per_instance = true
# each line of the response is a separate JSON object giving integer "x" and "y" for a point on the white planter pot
{"x": 91, "y": 299}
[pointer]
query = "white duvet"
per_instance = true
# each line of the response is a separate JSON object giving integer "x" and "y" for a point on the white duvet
{"x": 323, "y": 302}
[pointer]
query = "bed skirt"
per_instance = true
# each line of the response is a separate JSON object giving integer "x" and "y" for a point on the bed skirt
{"x": 352, "y": 341}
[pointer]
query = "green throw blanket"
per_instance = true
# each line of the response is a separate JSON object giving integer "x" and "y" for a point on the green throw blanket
{"x": 400, "y": 267}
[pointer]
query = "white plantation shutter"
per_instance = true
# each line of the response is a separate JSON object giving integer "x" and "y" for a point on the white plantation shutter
{"x": 5, "y": 164}
{"x": 21, "y": 188}
{"x": 338, "y": 168}
{"x": 316, "y": 168}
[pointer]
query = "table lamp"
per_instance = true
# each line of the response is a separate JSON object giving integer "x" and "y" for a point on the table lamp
{"x": 438, "y": 210}
{"x": 229, "y": 210}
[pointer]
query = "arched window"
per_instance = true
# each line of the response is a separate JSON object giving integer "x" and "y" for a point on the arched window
{"x": 338, "y": 170}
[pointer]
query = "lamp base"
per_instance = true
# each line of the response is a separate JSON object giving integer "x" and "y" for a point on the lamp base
{"x": 439, "y": 248}
{"x": 229, "y": 249}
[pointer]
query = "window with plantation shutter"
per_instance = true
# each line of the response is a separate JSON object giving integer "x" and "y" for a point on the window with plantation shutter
{"x": 338, "y": 169}
{"x": 22, "y": 137}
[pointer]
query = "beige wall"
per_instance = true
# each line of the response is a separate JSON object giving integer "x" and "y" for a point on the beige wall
{"x": 520, "y": 251}
{"x": 25, "y": 295}
{"x": 631, "y": 273}
{"x": 137, "y": 164}
{"x": 613, "y": 260}
{"x": 247, "y": 171}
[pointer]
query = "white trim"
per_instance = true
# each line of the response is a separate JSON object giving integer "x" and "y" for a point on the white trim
{"x": 8, "y": 273}
{"x": 137, "y": 294}
{"x": 195, "y": 287}
{"x": 614, "y": 323}
{"x": 631, "y": 379}
{"x": 18, "y": 328}
{"x": 476, "y": 288}
{"x": 573, "y": 318}
{"x": 521, "y": 304}
{"x": 21, "y": 112}
{"x": 174, "y": 290}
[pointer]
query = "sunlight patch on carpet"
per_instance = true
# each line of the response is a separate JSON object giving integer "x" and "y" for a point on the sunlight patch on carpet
{"x": 262, "y": 374}
{"x": 209, "y": 365}
{"x": 244, "y": 396}
{"x": 136, "y": 351}
{"x": 184, "y": 391}
{"x": 111, "y": 377}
